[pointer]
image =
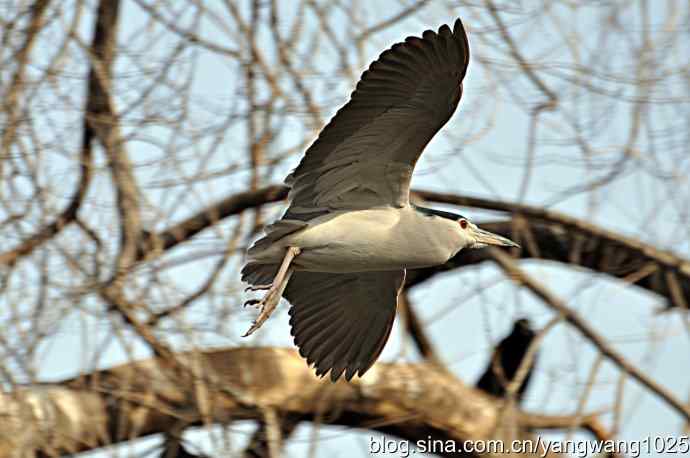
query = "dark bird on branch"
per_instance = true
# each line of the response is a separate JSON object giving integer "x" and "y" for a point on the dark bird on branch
{"x": 506, "y": 359}
{"x": 340, "y": 251}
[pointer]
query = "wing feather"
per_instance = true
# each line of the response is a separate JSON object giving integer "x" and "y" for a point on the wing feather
{"x": 398, "y": 105}
{"x": 341, "y": 322}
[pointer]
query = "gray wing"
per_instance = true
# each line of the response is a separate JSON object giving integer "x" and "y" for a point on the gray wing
{"x": 365, "y": 156}
{"x": 341, "y": 322}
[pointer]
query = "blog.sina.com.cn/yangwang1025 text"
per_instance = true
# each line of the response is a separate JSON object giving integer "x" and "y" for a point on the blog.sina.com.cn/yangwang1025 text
{"x": 579, "y": 448}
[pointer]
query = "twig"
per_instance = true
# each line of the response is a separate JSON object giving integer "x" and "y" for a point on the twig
{"x": 416, "y": 331}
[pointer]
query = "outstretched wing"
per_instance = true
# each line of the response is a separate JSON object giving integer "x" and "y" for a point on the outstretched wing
{"x": 341, "y": 322}
{"x": 365, "y": 156}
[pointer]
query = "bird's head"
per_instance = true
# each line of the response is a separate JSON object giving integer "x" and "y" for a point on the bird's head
{"x": 474, "y": 237}
{"x": 523, "y": 327}
{"x": 462, "y": 233}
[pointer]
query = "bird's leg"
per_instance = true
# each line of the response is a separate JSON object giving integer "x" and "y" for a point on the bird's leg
{"x": 280, "y": 276}
{"x": 275, "y": 290}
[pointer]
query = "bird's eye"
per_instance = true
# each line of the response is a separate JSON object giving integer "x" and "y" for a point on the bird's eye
{"x": 463, "y": 223}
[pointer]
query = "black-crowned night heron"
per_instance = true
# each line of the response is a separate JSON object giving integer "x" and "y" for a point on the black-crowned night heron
{"x": 340, "y": 251}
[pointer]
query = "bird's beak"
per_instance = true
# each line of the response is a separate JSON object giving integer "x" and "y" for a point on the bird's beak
{"x": 484, "y": 238}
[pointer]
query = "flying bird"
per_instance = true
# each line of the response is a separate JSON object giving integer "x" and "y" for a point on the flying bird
{"x": 340, "y": 251}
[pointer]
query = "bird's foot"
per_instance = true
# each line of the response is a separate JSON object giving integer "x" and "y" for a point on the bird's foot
{"x": 268, "y": 304}
{"x": 258, "y": 288}
{"x": 258, "y": 302}
{"x": 252, "y": 302}
{"x": 275, "y": 290}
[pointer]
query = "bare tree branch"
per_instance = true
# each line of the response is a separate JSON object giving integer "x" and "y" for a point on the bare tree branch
{"x": 99, "y": 254}
{"x": 143, "y": 398}
{"x": 10, "y": 97}
{"x": 520, "y": 277}
{"x": 98, "y": 114}
{"x": 415, "y": 330}
{"x": 553, "y": 235}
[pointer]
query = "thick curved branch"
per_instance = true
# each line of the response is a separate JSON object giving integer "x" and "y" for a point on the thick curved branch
{"x": 186, "y": 229}
{"x": 545, "y": 234}
{"x": 147, "y": 397}
{"x": 109, "y": 135}
{"x": 553, "y": 236}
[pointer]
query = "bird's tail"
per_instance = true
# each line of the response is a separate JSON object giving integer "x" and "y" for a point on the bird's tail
{"x": 258, "y": 270}
{"x": 255, "y": 273}
{"x": 275, "y": 232}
